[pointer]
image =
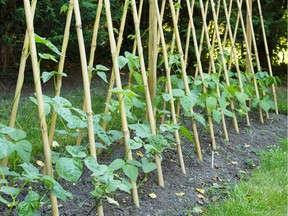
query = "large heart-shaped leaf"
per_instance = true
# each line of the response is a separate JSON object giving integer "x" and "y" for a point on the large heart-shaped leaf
{"x": 69, "y": 169}
{"x": 24, "y": 149}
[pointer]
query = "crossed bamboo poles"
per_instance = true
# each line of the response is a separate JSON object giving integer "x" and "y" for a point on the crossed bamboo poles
{"x": 30, "y": 41}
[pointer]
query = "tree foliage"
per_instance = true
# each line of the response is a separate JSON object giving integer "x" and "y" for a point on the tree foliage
{"x": 50, "y": 23}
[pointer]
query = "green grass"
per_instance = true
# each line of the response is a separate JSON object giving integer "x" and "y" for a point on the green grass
{"x": 264, "y": 193}
{"x": 282, "y": 96}
{"x": 27, "y": 117}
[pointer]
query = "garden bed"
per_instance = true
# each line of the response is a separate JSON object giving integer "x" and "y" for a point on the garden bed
{"x": 232, "y": 160}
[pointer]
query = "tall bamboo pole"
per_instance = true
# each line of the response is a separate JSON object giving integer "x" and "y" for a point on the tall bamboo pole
{"x": 135, "y": 45}
{"x": 249, "y": 16}
{"x": 249, "y": 37}
{"x": 214, "y": 37}
{"x": 20, "y": 79}
{"x": 267, "y": 55}
{"x": 210, "y": 49}
{"x": 235, "y": 122}
{"x": 60, "y": 68}
{"x": 171, "y": 51}
{"x": 248, "y": 53}
{"x": 146, "y": 89}
{"x": 185, "y": 79}
{"x": 188, "y": 36}
{"x": 234, "y": 54}
{"x": 119, "y": 43}
{"x": 86, "y": 86}
{"x": 226, "y": 29}
{"x": 202, "y": 32}
{"x": 152, "y": 51}
{"x": 120, "y": 96}
{"x": 199, "y": 64}
{"x": 91, "y": 57}
{"x": 169, "y": 87}
{"x": 40, "y": 102}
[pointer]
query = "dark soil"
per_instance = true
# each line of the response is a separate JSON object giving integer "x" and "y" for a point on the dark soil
{"x": 232, "y": 161}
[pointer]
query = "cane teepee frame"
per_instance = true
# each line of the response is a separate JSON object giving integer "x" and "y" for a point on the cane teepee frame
{"x": 157, "y": 41}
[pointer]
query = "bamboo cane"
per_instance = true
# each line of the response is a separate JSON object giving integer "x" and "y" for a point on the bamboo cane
{"x": 249, "y": 38}
{"x": 91, "y": 57}
{"x": 146, "y": 90}
{"x": 135, "y": 43}
{"x": 222, "y": 57}
{"x": 171, "y": 51}
{"x": 112, "y": 78}
{"x": 229, "y": 17}
{"x": 169, "y": 87}
{"x": 120, "y": 96}
{"x": 188, "y": 36}
{"x": 139, "y": 17}
{"x": 185, "y": 79}
{"x": 267, "y": 55}
{"x": 202, "y": 34}
{"x": 234, "y": 39}
{"x": 210, "y": 121}
{"x": 234, "y": 54}
{"x": 235, "y": 31}
{"x": 210, "y": 49}
{"x": 40, "y": 102}
{"x": 249, "y": 16}
{"x": 20, "y": 79}
{"x": 214, "y": 32}
{"x": 95, "y": 36}
{"x": 158, "y": 41}
{"x": 86, "y": 85}
{"x": 250, "y": 58}
{"x": 152, "y": 52}
{"x": 60, "y": 69}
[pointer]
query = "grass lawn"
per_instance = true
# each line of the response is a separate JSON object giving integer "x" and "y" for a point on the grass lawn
{"x": 264, "y": 193}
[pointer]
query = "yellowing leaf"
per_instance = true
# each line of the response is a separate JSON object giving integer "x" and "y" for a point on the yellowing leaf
{"x": 139, "y": 154}
{"x": 197, "y": 209}
{"x": 40, "y": 163}
{"x": 234, "y": 162}
{"x": 202, "y": 191}
{"x": 214, "y": 199}
{"x": 180, "y": 194}
{"x": 152, "y": 195}
{"x": 200, "y": 202}
{"x": 241, "y": 171}
{"x": 173, "y": 161}
{"x": 200, "y": 196}
{"x": 112, "y": 201}
{"x": 55, "y": 144}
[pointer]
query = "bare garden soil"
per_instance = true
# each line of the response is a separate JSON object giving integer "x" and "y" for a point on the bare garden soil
{"x": 203, "y": 184}
{"x": 232, "y": 160}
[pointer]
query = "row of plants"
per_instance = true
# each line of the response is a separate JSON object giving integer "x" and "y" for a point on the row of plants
{"x": 69, "y": 160}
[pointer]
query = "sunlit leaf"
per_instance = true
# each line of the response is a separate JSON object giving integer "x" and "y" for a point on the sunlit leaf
{"x": 24, "y": 149}
{"x": 152, "y": 195}
{"x": 112, "y": 201}
{"x": 131, "y": 172}
{"x": 103, "y": 76}
{"x": 211, "y": 103}
{"x": 69, "y": 169}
